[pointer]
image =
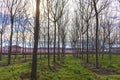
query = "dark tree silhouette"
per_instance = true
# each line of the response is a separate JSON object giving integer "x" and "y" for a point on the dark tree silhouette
{"x": 36, "y": 37}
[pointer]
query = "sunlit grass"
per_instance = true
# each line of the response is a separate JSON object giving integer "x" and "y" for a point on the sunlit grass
{"x": 71, "y": 69}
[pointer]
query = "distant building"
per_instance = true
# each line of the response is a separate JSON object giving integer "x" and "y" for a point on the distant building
{"x": 115, "y": 50}
{"x": 16, "y": 49}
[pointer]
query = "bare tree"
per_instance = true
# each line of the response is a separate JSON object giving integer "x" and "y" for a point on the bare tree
{"x": 13, "y": 6}
{"x": 23, "y": 22}
{"x": 86, "y": 9}
{"x": 63, "y": 23}
{"x": 97, "y": 11}
{"x": 56, "y": 12}
{"x": 104, "y": 34}
{"x": 48, "y": 33}
{"x": 2, "y": 30}
{"x": 36, "y": 37}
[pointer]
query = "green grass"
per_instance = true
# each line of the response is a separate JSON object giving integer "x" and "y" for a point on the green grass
{"x": 114, "y": 64}
{"x": 13, "y": 72}
{"x": 70, "y": 70}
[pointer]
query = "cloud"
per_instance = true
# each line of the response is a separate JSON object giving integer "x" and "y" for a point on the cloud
{"x": 115, "y": 17}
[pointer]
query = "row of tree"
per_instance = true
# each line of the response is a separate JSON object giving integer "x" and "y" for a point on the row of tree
{"x": 89, "y": 27}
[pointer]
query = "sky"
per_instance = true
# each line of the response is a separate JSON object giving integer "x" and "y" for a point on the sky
{"x": 115, "y": 7}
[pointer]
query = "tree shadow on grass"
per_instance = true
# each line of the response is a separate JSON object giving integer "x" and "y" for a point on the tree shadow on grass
{"x": 101, "y": 70}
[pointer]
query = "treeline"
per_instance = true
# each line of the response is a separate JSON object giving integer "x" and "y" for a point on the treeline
{"x": 87, "y": 24}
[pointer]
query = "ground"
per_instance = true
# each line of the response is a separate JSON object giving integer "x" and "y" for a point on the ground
{"x": 71, "y": 69}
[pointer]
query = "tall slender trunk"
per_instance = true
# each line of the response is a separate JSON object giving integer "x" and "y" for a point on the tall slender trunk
{"x": 48, "y": 35}
{"x": 10, "y": 42}
{"x": 93, "y": 47}
{"x": 23, "y": 45}
{"x": 25, "y": 51}
{"x": 103, "y": 47}
{"x": 97, "y": 25}
{"x": 36, "y": 37}
{"x": 44, "y": 46}
{"x": 63, "y": 51}
{"x": 58, "y": 57}
{"x": 87, "y": 57}
{"x": 54, "y": 56}
{"x": 110, "y": 56}
{"x": 1, "y": 48}
{"x": 16, "y": 45}
{"x": 82, "y": 47}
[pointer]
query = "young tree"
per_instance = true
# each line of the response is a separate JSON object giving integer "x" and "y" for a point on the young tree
{"x": 36, "y": 37}
{"x": 13, "y": 7}
{"x": 86, "y": 14}
{"x": 97, "y": 11}
{"x": 2, "y": 29}
{"x": 48, "y": 33}
{"x": 23, "y": 22}
{"x": 62, "y": 34}
{"x": 56, "y": 11}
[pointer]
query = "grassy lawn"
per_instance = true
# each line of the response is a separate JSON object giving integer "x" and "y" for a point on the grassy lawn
{"x": 70, "y": 70}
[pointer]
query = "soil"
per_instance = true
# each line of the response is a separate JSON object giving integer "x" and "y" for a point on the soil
{"x": 25, "y": 75}
{"x": 100, "y": 70}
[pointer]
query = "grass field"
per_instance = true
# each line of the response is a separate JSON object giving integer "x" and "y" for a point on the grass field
{"x": 71, "y": 69}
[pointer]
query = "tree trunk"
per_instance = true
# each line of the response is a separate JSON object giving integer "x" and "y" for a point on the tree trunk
{"x": 103, "y": 48}
{"x": 1, "y": 48}
{"x": 87, "y": 58}
{"x": 36, "y": 37}
{"x": 48, "y": 36}
{"x": 58, "y": 56}
{"x": 110, "y": 56}
{"x": 97, "y": 24}
{"x": 10, "y": 42}
{"x": 54, "y": 56}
